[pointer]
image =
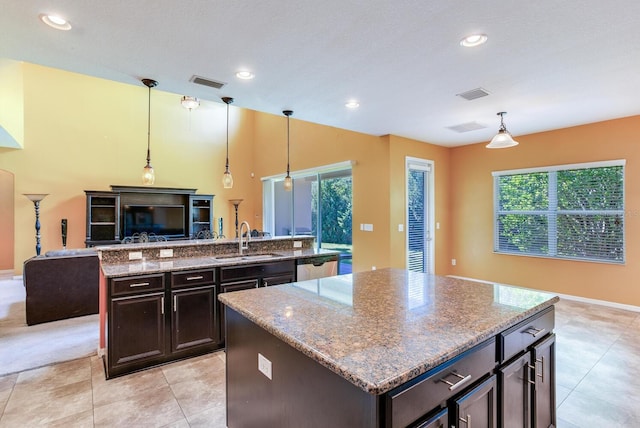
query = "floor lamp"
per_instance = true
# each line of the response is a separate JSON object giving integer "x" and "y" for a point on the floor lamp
{"x": 36, "y": 198}
{"x": 235, "y": 203}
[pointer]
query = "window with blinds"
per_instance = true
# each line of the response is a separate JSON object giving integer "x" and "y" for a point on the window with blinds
{"x": 569, "y": 212}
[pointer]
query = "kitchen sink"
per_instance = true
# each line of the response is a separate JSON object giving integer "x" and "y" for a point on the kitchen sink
{"x": 245, "y": 257}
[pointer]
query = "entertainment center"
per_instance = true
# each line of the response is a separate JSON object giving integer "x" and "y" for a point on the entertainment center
{"x": 128, "y": 211}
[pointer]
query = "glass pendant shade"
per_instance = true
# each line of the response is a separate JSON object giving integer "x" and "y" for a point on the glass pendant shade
{"x": 503, "y": 138}
{"x": 288, "y": 183}
{"x": 227, "y": 180}
{"x": 148, "y": 176}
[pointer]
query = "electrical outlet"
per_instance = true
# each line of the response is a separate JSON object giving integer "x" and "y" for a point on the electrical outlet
{"x": 453, "y": 262}
{"x": 438, "y": 225}
{"x": 135, "y": 255}
{"x": 264, "y": 365}
{"x": 297, "y": 244}
{"x": 167, "y": 252}
{"x": 401, "y": 227}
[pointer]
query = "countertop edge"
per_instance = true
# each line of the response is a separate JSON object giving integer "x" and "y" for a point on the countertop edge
{"x": 390, "y": 383}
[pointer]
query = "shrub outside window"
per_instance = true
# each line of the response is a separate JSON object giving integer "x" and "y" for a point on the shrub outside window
{"x": 569, "y": 212}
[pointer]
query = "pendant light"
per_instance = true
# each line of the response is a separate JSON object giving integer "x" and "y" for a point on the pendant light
{"x": 503, "y": 138}
{"x": 148, "y": 175}
{"x": 288, "y": 182}
{"x": 227, "y": 178}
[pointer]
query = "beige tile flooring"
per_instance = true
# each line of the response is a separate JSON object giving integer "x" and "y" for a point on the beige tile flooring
{"x": 598, "y": 383}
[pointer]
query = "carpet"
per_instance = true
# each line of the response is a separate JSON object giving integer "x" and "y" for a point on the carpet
{"x": 24, "y": 347}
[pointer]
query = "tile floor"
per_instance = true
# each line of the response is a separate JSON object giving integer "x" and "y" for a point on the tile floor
{"x": 598, "y": 383}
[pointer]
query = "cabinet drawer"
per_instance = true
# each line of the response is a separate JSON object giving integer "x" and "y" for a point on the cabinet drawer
{"x": 192, "y": 278}
{"x": 232, "y": 273}
{"x": 137, "y": 284}
{"x": 410, "y": 402}
{"x": 524, "y": 334}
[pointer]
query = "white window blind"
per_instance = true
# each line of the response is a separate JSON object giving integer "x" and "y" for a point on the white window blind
{"x": 570, "y": 212}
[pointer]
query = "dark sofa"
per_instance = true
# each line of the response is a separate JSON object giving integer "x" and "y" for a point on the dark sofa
{"x": 61, "y": 284}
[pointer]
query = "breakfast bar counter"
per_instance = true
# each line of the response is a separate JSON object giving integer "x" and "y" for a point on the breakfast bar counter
{"x": 372, "y": 348}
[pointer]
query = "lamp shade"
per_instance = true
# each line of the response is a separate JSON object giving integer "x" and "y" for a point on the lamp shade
{"x": 502, "y": 140}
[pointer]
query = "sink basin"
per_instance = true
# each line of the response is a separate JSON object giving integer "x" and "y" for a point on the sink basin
{"x": 245, "y": 257}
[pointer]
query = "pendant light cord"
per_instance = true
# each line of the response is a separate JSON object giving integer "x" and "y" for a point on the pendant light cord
{"x": 288, "y": 145}
{"x": 149, "y": 127}
{"x": 227, "y": 162}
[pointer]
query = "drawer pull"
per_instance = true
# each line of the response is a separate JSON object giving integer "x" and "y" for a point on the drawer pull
{"x": 454, "y": 386}
{"x": 139, "y": 284}
{"x": 162, "y": 305}
{"x": 194, "y": 278}
{"x": 535, "y": 332}
{"x": 467, "y": 421}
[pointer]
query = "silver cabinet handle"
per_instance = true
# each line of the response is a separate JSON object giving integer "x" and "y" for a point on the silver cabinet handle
{"x": 467, "y": 421}
{"x": 194, "y": 278}
{"x": 462, "y": 381}
{"x": 535, "y": 370}
{"x": 162, "y": 305}
{"x": 535, "y": 332}
{"x": 139, "y": 284}
{"x": 175, "y": 303}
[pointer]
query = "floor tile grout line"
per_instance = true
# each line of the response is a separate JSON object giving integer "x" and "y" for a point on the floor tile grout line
{"x": 174, "y": 397}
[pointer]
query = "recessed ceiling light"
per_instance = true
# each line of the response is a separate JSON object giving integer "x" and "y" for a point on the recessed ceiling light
{"x": 352, "y": 104}
{"x": 55, "y": 22}
{"x": 245, "y": 75}
{"x": 473, "y": 40}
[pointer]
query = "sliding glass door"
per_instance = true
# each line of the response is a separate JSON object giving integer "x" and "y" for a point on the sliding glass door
{"x": 319, "y": 205}
{"x": 419, "y": 214}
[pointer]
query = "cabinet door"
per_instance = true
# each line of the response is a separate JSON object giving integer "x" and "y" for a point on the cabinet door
{"x": 279, "y": 279}
{"x": 229, "y": 287}
{"x": 544, "y": 397}
{"x": 440, "y": 420}
{"x": 515, "y": 393}
{"x": 478, "y": 407}
{"x": 193, "y": 323}
{"x": 136, "y": 329}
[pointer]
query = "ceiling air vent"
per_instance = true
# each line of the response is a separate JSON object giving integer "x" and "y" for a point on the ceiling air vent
{"x": 467, "y": 127}
{"x": 473, "y": 94}
{"x": 207, "y": 82}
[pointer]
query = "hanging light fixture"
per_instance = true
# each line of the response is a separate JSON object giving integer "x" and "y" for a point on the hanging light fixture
{"x": 288, "y": 182}
{"x": 227, "y": 179}
{"x": 190, "y": 103}
{"x": 503, "y": 138}
{"x": 148, "y": 175}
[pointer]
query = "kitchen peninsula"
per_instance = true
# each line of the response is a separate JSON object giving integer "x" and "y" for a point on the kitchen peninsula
{"x": 159, "y": 300}
{"x": 390, "y": 348}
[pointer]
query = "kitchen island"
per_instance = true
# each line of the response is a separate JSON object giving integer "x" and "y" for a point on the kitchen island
{"x": 390, "y": 348}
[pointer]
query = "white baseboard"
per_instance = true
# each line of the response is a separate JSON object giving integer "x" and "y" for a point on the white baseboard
{"x": 615, "y": 305}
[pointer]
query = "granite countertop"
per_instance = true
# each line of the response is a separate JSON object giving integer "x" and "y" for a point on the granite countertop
{"x": 379, "y": 329}
{"x": 140, "y": 267}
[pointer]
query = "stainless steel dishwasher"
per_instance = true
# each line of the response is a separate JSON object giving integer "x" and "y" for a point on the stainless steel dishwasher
{"x": 314, "y": 267}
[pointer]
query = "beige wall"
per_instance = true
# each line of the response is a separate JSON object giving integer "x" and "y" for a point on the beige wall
{"x": 472, "y": 211}
{"x": 6, "y": 221}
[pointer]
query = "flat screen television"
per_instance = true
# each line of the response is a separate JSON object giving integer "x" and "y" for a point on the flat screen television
{"x": 164, "y": 220}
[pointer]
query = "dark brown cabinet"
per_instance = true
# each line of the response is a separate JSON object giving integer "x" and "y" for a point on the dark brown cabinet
{"x": 439, "y": 420}
{"x": 235, "y": 278}
{"x": 103, "y": 218}
{"x": 194, "y": 310}
{"x": 201, "y": 215}
{"x": 150, "y": 323}
{"x": 136, "y": 334}
{"x": 478, "y": 407}
{"x": 527, "y": 381}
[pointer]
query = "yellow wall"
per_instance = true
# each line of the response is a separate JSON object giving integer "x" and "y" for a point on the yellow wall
{"x": 6, "y": 220}
{"x": 11, "y": 104}
{"x": 472, "y": 211}
{"x": 83, "y": 133}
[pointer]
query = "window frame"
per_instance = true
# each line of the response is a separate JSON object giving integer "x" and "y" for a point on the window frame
{"x": 553, "y": 214}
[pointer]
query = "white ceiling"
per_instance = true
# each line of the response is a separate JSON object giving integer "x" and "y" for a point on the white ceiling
{"x": 550, "y": 64}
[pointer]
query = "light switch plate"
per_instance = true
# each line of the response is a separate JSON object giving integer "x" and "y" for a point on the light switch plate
{"x": 135, "y": 255}
{"x": 264, "y": 365}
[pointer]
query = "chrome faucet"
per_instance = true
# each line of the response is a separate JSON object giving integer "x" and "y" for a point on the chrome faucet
{"x": 244, "y": 246}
